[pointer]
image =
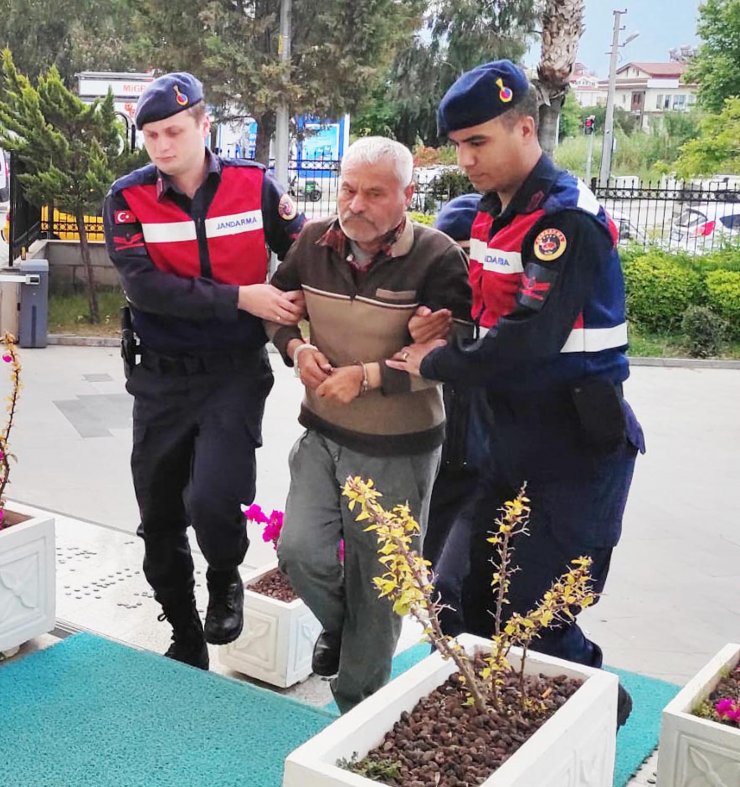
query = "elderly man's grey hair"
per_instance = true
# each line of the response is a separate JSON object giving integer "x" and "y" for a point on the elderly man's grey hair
{"x": 373, "y": 150}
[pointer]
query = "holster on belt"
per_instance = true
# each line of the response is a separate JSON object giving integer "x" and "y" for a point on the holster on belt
{"x": 130, "y": 346}
{"x": 598, "y": 404}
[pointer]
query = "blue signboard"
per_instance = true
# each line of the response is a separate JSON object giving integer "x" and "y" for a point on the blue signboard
{"x": 320, "y": 146}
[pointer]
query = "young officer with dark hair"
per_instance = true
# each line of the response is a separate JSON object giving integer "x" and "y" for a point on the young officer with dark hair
{"x": 550, "y": 285}
{"x": 189, "y": 235}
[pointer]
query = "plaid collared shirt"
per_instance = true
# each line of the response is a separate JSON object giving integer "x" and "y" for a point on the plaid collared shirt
{"x": 335, "y": 238}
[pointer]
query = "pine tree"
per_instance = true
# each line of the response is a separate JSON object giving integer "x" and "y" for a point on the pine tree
{"x": 70, "y": 152}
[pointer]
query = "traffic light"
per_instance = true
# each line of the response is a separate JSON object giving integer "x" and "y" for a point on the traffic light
{"x": 589, "y": 124}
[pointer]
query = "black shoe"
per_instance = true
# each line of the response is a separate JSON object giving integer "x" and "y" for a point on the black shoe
{"x": 624, "y": 705}
{"x": 225, "y": 613}
{"x": 325, "y": 661}
{"x": 188, "y": 644}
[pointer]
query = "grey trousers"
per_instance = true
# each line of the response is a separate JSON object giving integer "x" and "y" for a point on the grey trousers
{"x": 343, "y": 597}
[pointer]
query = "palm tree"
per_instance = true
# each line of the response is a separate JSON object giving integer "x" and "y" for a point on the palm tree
{"x": 562, "y": 27}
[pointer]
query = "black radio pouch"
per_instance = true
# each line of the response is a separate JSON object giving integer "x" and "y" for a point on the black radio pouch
{"x": 598, "y": 405}
{"x": 129, "y": 343}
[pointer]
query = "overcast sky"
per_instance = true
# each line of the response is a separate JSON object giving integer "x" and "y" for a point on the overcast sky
{"x": 662, "y": 24}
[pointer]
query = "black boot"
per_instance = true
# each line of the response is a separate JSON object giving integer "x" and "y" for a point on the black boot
{"x": 325, "y": 660}
{"x": 624, "y": 705}
{"x": 225, "y": 614}
{"x": 188, "y": 643}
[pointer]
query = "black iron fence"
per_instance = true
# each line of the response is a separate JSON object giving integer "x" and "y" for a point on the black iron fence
{"x": 25, "y": 218}
{"x": 695, "y": 217}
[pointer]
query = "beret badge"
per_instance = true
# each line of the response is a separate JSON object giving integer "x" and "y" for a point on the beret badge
{"x": 505, "y": 94}
{"x": 181, "y": 98}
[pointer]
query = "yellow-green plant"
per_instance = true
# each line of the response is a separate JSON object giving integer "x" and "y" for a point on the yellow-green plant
{"x": 408, "y": 583}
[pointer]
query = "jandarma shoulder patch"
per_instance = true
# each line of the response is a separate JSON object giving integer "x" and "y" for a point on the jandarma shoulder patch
{"x": 287, "y": 208}
{"x": 549, "y": 244}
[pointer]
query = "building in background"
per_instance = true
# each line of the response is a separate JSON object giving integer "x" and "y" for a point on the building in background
{"x": 651, "y": 89}
{"x": 588, "y": 90}
{"x": 126, "y": 87}
{"x": 644, "y": 89}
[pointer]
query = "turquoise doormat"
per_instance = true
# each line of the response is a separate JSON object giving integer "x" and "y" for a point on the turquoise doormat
{"x": 88, "y": 711}
{"x": 635, "y": 740}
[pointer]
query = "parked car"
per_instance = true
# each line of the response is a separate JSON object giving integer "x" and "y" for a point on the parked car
{"x": 628, "y": 232}
{"x": 706, "y": 226}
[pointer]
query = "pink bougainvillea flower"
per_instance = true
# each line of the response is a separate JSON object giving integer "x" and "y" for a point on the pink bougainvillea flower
{"x": 341, "y": 550}
{"x": 255, "y": 514}
{"x": 728, "y": 709}
{"x": 7, "y": 358}
{"x": 273, "y": 527}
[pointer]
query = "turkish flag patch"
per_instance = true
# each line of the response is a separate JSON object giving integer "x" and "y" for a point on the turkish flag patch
{"x": 124, "y": 217}
{"x": 536, "y": 283}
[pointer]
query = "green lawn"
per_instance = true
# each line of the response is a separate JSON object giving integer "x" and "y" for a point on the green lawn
{"x": 70, "y": 314}
{"x": 670, "y": 345}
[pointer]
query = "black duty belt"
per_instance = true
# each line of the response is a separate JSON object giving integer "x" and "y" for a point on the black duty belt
{"x": 211, "y": 363}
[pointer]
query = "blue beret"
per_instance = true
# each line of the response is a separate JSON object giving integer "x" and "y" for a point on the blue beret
{"x": 166, "y": 96}
{"x": 456, "y": 217}
{"x": 481, "y": 95}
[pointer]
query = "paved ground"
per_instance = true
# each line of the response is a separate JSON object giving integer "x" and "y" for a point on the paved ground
{"x": 672, "y": 596}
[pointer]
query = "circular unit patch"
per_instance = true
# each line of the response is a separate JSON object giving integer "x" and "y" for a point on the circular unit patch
{"x": 549, "y": 245}
{"x": 286, "y": 208}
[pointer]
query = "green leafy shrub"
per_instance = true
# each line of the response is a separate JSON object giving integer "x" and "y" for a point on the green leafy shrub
{"x": 450, "y": 183}
{"x": 705, "y": 331}
{"x": 421, "y": 218}
{"x": 723, "y": 296}
{"x": 724, "y": 258}
{"x": 659, "y": 290}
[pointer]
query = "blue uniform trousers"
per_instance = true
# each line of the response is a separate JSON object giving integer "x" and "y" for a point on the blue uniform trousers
{"x": 197, "y": 423}
{"x": 465, "y": 451}
{"x": 578, "y": 493}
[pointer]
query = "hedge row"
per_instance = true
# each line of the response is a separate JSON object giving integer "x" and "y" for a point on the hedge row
{"x": 661, "y": 286}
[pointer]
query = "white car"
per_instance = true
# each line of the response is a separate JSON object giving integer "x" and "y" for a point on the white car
{"x": 701, "y": 228}
{"x": 628, "y": 232}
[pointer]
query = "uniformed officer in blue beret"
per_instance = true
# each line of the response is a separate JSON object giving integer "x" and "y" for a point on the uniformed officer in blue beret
{"x": 189, "y": 235}
{"x": 548, "y": 291}
{"x": 456, "y": 218}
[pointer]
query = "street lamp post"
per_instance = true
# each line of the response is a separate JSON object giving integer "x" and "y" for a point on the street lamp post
{"x": 608, "y": 143}
{"x": 282, "y": 129}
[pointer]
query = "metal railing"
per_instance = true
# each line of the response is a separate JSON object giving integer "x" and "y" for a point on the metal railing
{"x": 25, "y": 218}
{"x": 59, "y": 225}
{"x": 694, "y": 217}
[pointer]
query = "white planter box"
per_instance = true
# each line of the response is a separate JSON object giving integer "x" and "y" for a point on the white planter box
{"x": 277, "y": 642}
{"x": 698, "y": 752}
{"x": 575, "y": 746}
{"x": 27, "y": 579}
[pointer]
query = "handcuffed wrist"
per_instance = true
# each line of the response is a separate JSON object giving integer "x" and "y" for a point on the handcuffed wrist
{"x": 298, "y": 350}
{"x": 365, "y": 384}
